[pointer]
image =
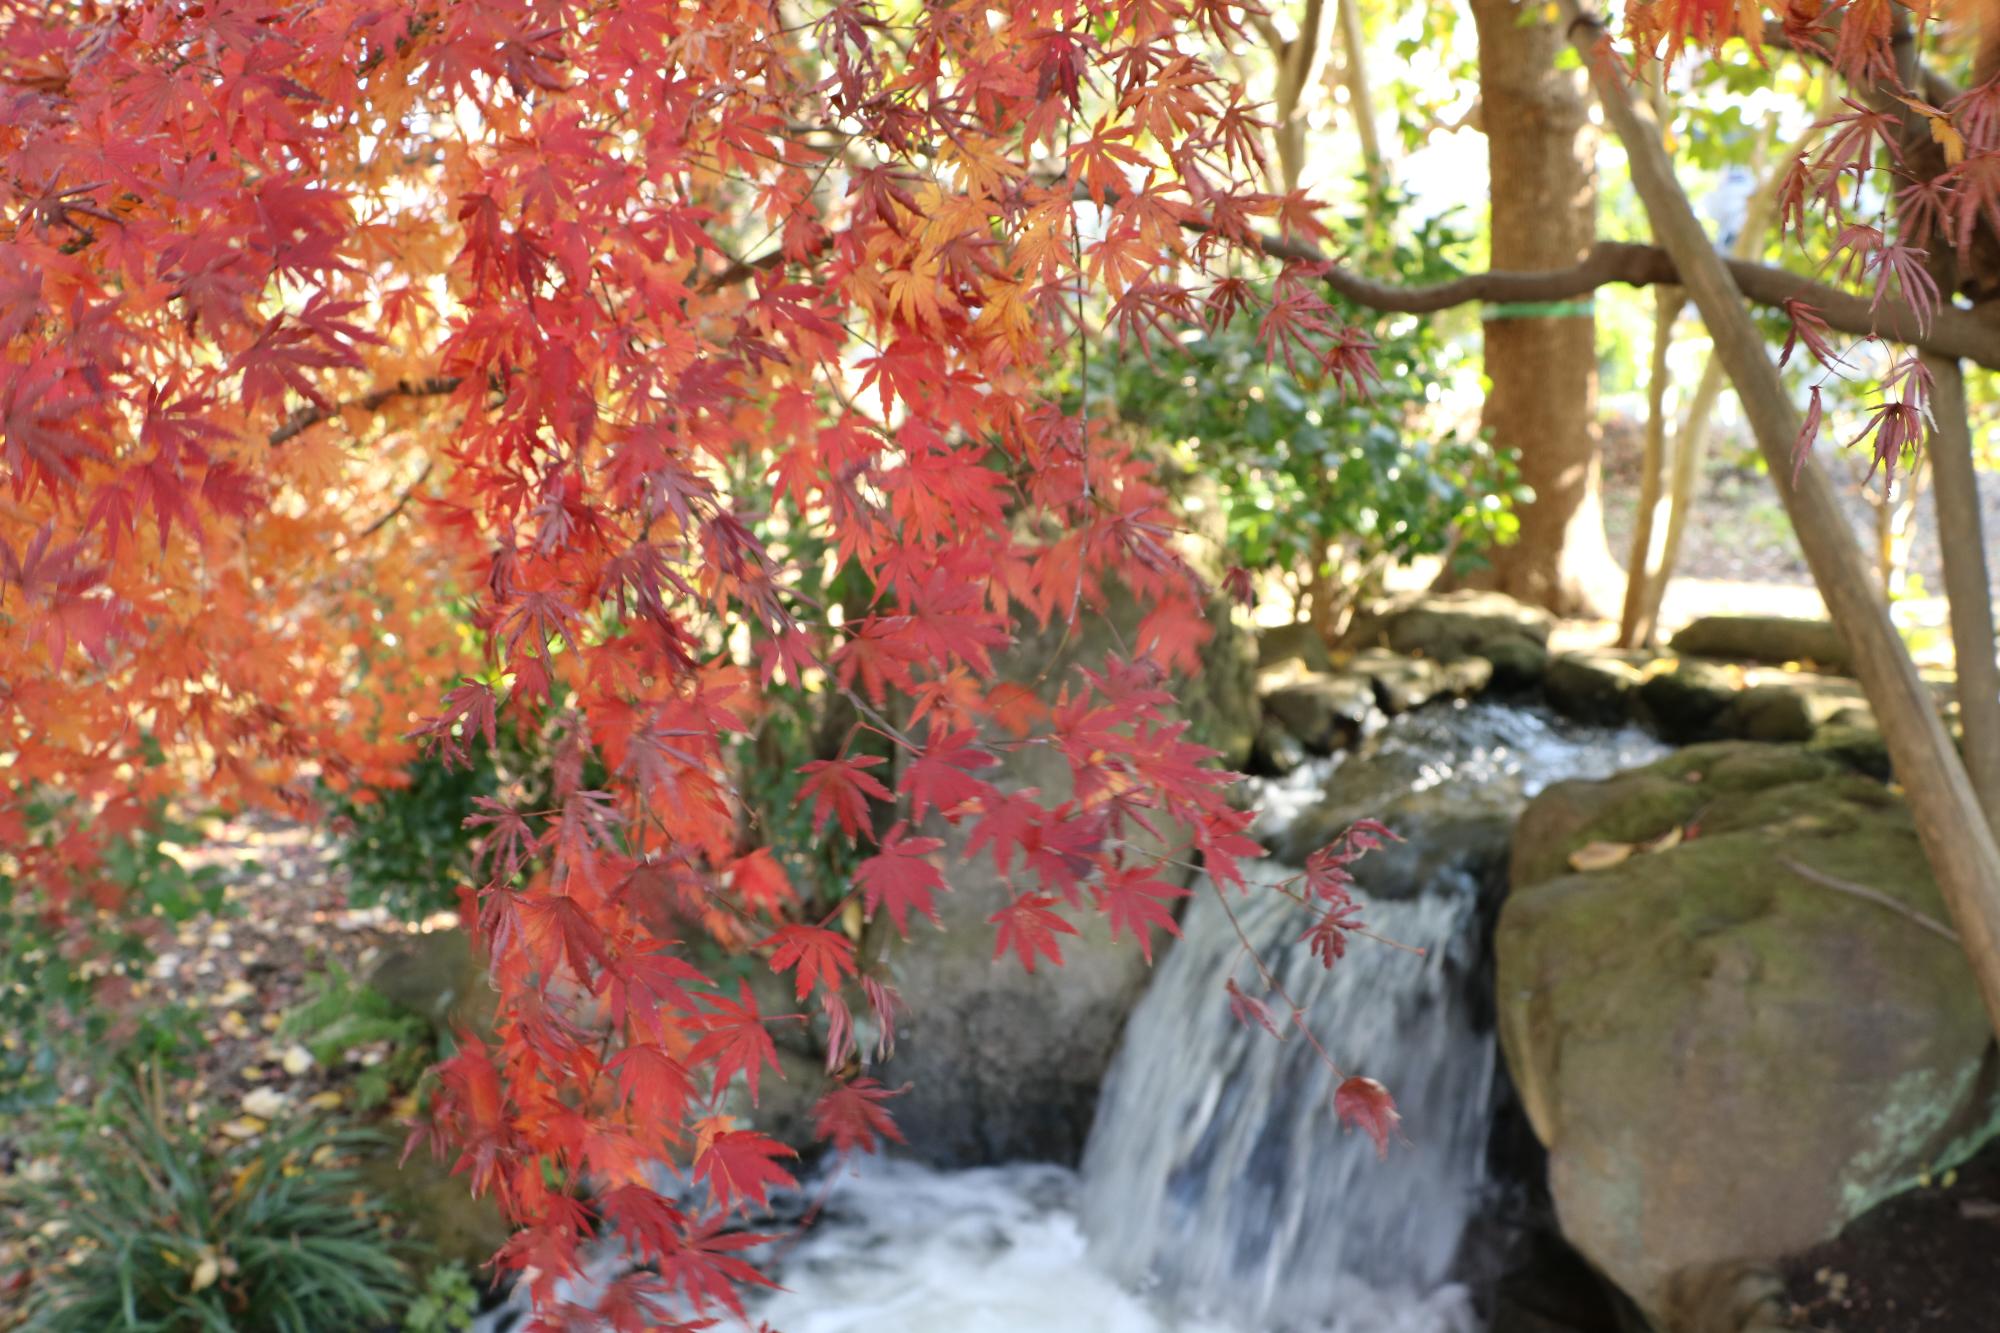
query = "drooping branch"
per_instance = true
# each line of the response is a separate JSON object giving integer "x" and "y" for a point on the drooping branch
{"x": 307, "y": 417}
{"x": 1952, "y": 331}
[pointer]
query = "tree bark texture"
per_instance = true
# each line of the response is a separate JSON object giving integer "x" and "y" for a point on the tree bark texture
{"x": 1540, "y": 150}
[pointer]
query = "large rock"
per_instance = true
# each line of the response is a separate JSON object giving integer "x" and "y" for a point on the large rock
{"x": 439, "y": 977}
{"x": 1688, "y": 702}
{"x": 1296, "y": 645}
{"x": 1727, "y": 1058}
{"x": 1596, "y": 687}
{"x": 1326, "y": 711}
{"x": 1448, "y": 626}
{"x": 1004, "y": 1064}
{"x": 1773, "y": 639}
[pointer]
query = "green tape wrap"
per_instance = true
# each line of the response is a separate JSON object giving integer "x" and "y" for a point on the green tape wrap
{"x": 1539, "y": 310}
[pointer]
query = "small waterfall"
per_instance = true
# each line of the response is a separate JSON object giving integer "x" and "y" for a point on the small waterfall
{"x": 1217, "y": 1174}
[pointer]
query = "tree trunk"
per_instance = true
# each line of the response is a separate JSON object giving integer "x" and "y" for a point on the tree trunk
{"x": 1650, "y": 522}
{"x": 1354, "y": 74}
{"x": 1967, "y": 584}
{"x": 1956, "y": 839}
{"x": 1298, "y": 61}
{"x": 1542, "y": 361}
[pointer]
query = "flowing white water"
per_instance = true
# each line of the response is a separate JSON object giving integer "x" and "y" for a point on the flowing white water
{"x": 1217, "y": 1172}
{"x": 1218, "y": 1193}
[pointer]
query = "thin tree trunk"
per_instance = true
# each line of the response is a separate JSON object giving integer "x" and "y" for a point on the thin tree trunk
{"x": 1690, "y": 449}
{"x": 1542, "y": 359}
{"x": 1950, "y": 823}
{"x": 1955, "y": 490}
{"x": 1649, "y": 526}
{"x": 1691, "y": 441}
{"x": 1297, "y": 60}
{"x": 1354, "y": 74}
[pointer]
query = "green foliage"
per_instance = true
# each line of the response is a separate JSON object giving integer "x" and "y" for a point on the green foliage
{"x": 1314, "y": 481}
{"x": 405, "y": 847}
{"x": 56, "y": 964}
{"x": 340, "y": 1014}
{"x": 447, "y": 1303}
{"x": 146, "y": 1229}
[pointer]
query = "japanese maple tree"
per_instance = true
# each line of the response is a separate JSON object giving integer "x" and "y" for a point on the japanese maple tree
{"x": 385, "y": 374}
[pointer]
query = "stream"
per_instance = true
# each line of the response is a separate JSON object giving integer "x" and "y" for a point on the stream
{"x": 1218, "y": 1193}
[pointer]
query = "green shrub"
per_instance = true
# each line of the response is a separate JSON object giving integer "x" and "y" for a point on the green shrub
{"x": 144, "y": 1229}
{"x": 338, "y": 1013}
{"x": 447, "y": 1303}
{"x": 1321, "y": 485}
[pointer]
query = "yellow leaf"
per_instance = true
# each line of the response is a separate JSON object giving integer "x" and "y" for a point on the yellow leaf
{"x": 265, "y": 1103}
{"x": 1947, "y": 137}
{"x": 1666, "y": 842}
{"x": 324, "y": 1101}
{"x": 1599, "y": 855}
{"x": 205, "y": 1272}
{"x": 244, "y": 1127}
{"x": 297, "y": 1060}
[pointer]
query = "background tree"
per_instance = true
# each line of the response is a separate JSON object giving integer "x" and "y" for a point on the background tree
{"x": 1542, "y": 361}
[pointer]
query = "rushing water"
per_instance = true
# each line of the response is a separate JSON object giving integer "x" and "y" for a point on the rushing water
{"x": 1218, "y": 1193}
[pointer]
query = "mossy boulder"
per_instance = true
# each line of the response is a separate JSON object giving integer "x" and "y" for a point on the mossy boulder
{"x": 1596, "y": 687}
{"x": 1448, "y": 626}
{"x": 1324, "y": 710}
{"x": 1687, "y": 701}
{"x": 1297, "y": 645}
{"x": 1518, "y": 661}
{"x": 438, "y": 976}
{"x": 1773, "y": 639}
{"x": 1727, "y": 1058}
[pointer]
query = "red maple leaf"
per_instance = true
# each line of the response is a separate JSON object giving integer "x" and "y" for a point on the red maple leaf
{"x": 740, "y": 1168}
{"x": 736, "y": 1042}
{"x": 1030, "y": 928}
{"x": 648, "y": 1076}
{"x": 1138, "y": 902}
{"x": 1247, "y": 1009}
{"x": 851, "y": 1116}
{"x": 900, "y": 878}
{"x": 813, "y": 955}
{"x": 840, "y": 789}
{"x": 1366, "y": 1105}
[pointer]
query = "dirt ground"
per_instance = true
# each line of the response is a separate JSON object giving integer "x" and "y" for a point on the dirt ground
{"x": 1924, "y": 1262}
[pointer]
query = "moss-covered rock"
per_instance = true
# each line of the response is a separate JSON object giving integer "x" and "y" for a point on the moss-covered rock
{"x": 1727, "y": 1058}
{"x": 1687, "y": 701}
{"x": 1772, "y": 639}
{"x": 1595, "y": 687}
{"x": 1324, "y": 710}
{"x": 1448, "y": 626}
{"x": 1297, "y": 645}
{"x": 1518, "y": 662}
{"x": 437, "y": 976}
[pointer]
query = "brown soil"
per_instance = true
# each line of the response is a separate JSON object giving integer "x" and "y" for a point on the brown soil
{"x": 1924, "y": 1262}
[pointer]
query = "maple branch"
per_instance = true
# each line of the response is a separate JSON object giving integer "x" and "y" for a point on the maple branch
{"x": 307, "y": 417}
{"x": 1952, "y": 331}
{"x": 402, "y": 502}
